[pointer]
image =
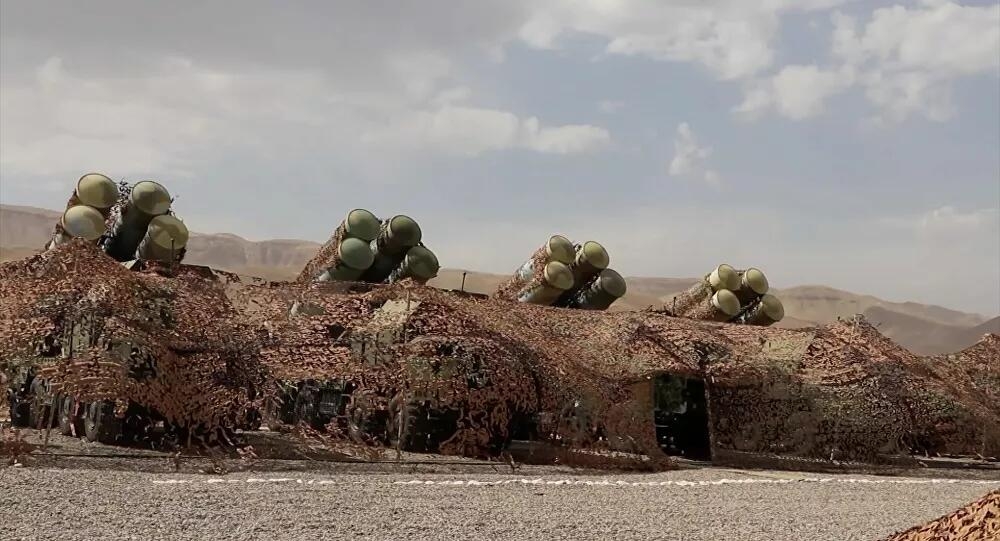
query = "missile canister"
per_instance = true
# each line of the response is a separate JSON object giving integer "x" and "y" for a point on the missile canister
{"x": 557, "y": 249}
{"x": 420, "y": 265}
{"x": 722, "y": 278}
{"x": 397, "y": 235}
{"x": 147, "y": 200}
{"x": 591, "y": 258}
{"x": 80, "y": 221}
{"x": 354, "y": 256}
{"x": 545, "y": 288}
{"x": 752, "y": 285}
{"x": 722, "y": 306}
{"x": 358, "y": 224}
{"x": 767, "y": 311}
{"x": 165, "y": 237}
{"x": 97, "y": 191}
{"x": 600, "y": 292}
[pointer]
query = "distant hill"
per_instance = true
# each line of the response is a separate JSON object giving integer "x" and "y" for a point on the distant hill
{"x": 925, "y": 336}
{"x": 924, "y": 329}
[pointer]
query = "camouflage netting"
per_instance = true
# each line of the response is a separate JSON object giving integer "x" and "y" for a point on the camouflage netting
{"x": 978, "y": 521}
{"x": 326, "y": 257}
{"x": 511, "y": 288}
{"x": 843, "y": 391}
{"x": 486, "y": 370}
{"x": 96, "y": 330}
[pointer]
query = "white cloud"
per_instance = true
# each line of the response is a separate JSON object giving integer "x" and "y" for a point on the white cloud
{"x": 948, "y": 219}
{"x": 59, "y": 122}
{"x": 905, "y": 60}
{"x": 796, "y": 92}
{"x": 733, "y": 39}
{"x": 691, "y": 159}
{"x": 909, "y": 58}
{"x": 610, "y": 106}
{"x": 471, "y": 131}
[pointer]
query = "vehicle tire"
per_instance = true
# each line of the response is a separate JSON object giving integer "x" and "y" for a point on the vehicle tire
{"x": 99, "y": 423}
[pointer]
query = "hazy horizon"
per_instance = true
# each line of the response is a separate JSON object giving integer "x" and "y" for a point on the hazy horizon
{"x": 850, "y": 144}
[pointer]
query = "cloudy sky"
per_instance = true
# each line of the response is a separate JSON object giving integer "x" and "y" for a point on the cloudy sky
{"x": 852, "y": 144}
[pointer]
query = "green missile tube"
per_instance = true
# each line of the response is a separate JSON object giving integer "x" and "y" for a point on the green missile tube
{"x": 97, "y": 191}
{"x": 398, "y": 234}
{"x": 165, "y": 237}
{"x": 590, "y": 259}
{"x": 354, "y": 258}
{"x": 600, "y": 293}
{"x": 361, "y": 224}
{"x": 545, "y": 289}
{"x": 420, "y": 264}
{"x": 147, "y": 200}
{"x": 767, "y": 311}
{"x": 753, "y": 284}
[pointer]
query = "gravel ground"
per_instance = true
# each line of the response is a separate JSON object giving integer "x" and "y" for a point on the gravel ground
{"x": 80, "y": 502}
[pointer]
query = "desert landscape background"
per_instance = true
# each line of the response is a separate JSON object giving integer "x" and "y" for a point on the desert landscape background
{"x": 924, "y": 329}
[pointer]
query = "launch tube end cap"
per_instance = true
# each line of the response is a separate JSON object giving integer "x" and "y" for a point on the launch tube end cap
{"x": 594, "y": 255}
{"x": 168, "y": 232}
{"x": 97, "y": 190}
{"x": 726, "y": 302}
{"x": 724, "y": 277}
{"x": 422, "y": 263}
{"x": 356, "y": 254}
{"x": 404, "y": 231}
{"x": 754, "y": 280}
{"x": 772, "y": 307}
{"x": 612, "y": 283}
{"x": 362, "y": 224}
{"x": 151, "y": 197}
{"x": 83, "y": 222}
{"x": 560, "y": 249}
{"x": 558, "y": 275}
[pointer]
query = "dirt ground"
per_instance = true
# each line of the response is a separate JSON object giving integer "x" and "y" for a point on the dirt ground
{"x": 77, "y": 490}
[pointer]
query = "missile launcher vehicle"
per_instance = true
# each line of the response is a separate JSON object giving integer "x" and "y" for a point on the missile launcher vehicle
{"x": 99, "y": 341}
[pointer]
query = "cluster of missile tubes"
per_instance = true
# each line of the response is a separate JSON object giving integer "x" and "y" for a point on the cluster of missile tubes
{"x": 136, "y": 223}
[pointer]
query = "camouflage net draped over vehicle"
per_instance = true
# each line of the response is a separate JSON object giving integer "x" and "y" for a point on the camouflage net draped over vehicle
{"x": 97, "y": 331}
{"x": 843, "y": 390}
{"x": 200, "y": 346}
{"x": 978, "y": 521}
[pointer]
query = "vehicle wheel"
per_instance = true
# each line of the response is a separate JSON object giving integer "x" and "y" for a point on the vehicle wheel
{"x": 100, "y": 423}
{"x": 70, "y": 422}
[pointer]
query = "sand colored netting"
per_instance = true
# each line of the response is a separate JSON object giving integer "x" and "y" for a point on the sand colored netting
{"x": 978, "y": 521}
{"x": 97, "y": 331}
{"x": 200, "y": 347}
{"x": 842, "y": 391}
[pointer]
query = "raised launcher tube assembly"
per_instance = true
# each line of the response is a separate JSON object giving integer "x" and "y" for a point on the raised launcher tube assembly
{"x": 397, "y": 235}
{"x": 366, "y": 249}
{"x": 147, "y": 200}
{"x": 729, "y": 295}
{"x": 86, "y": 210}
{"x": 562, "y": 274}
{"x": 143, "y": 227}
